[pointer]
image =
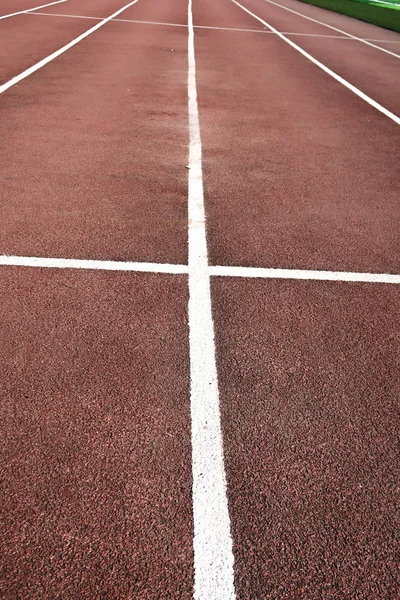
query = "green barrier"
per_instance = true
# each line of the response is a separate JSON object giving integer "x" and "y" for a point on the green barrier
{"x": 371, "y": 11}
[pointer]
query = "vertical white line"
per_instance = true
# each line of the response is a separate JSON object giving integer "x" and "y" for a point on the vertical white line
{"x": 213, "y": 556}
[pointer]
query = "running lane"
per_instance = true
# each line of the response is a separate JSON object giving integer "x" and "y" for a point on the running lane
{"x": 96, "y": 452}
{"x": 299, "y": 172}
{"x": 27, "y": 38}
{"x": 95, "y": 436}
{"x": 97, "y": 148}
{"x": 371, "y": 70}
{"x": 309, "y": 388}
{"x": 382, "y": 37}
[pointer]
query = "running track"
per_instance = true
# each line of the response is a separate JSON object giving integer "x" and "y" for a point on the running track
{"x": 193, "y": 410}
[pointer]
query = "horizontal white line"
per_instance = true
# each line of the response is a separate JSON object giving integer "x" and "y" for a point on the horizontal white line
{"x": 326, "y": 69}
{"x": 260, "y": 272}
{"x": 336, "y": 37}
{"x": 184, "y": 25}
{"x": 316, "y": 35}
{"x": 102, "y": 265}
{"x": 27, "y": 10}
{"x": 383, "y": 41}
{"x": 216, "y": 271}
{"x": 45, "y": 14}
{"x": 270, "y": 32}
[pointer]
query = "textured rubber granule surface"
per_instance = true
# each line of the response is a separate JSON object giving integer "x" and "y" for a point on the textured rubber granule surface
{"x": 309, "y": 393}
{"x": 95, "y": 449}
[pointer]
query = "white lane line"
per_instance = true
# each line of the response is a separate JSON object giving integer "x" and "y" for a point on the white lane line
{"x": 100, "y": 265}
{"x": 338, "y": 37}
{"x": 264, "y": 273}
{"x": 185, "y": 26}
{"x": 40, "y": 14}
{"x": 27, "y": 10}
{"x": 213, "y": 556}
{"x": 317, "y": 35}
{"x": 57, "y": 53}
{"x": 383, "y": 41}
{"x": 213, "y": 271}
{"x": 354, "y": 37}
{"x": 327, "y": 70}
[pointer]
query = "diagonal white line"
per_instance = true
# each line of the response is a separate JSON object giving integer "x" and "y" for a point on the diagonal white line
{"x": 327, "y": 70}
{"x": 57, "y": 53}
{"x": 264, "y": 273}
{"x": 103, "y": 265}
{"x": 213, "y": 556}
{"x": 354, "y": 37}
{"x": 28, "y": 10}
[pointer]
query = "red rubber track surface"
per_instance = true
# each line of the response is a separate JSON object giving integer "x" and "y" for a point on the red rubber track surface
{"x": 347, "y": 24}
{"x": 26, "y": 39}
{"x": 309, "y": 392}
{"x": 95, "y": 449}
{"x": 299, "y": 171}
{"x": 95, "y": 436}
{"x": 97, "y": 149}
{"x": 369, "y": 69}
{"x": 156, "y": 10}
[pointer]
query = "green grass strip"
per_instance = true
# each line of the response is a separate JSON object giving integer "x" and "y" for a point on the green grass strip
{"x": 377, "y": 15}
